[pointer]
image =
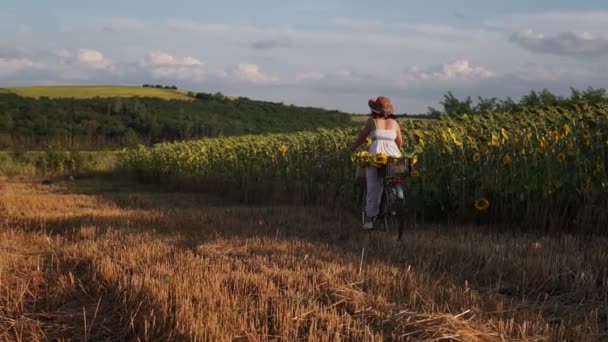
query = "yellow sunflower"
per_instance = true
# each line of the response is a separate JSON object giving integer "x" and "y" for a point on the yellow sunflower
{"x": 555, "y": 135}
{"x": 418, "y": 137}
{"x": 361, "y": 158}
{"x": 506, "y": 160}
{"x": 415, "y": 173}
{"x": 495, "y": 141}
{"x": 482, "y": 204}
{"x": 570, "y": 147}
{"x": 561, "y": 157}
{"x": 283, "y": 149}
{"x": 380, "y": 158}
{"x": 476, "y": 156}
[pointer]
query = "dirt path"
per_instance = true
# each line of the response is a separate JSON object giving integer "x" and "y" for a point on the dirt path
{"x": 100, "y": 260}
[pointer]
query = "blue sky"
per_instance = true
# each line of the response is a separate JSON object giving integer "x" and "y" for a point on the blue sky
{"x": 332, "y": 53}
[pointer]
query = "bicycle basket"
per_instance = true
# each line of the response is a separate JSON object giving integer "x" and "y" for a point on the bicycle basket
{"x": 402, "y": 167}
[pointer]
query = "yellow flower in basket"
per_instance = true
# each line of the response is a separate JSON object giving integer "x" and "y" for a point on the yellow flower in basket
{"x": 392, "y": 160}
{"x": 379, "y": 159}
{"x": 361, "y": 158}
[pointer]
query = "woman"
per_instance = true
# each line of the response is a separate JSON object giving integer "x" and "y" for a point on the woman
{"x": 386, "y": 138}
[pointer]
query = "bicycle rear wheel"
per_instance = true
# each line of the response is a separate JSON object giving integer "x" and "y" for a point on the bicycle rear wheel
{"x": 394, "y": 209}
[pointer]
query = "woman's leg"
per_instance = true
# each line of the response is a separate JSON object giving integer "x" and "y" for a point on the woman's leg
{"x": 374, "y": 192}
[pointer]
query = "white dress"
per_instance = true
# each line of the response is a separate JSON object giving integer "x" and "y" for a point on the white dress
{"x": 383, "y": 141}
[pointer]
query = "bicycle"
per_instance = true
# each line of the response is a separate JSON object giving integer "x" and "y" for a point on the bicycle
{"x": 393, "y": 202}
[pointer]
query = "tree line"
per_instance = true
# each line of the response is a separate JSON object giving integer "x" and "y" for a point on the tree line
{"x": 100, "y": 123}
{"x": 453, "y": 106}
{"x": 159, "y": 86}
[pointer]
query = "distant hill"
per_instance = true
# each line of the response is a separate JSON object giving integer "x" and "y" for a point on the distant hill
{"x": 94, "y": 117}
{"x": 89, "y": 92}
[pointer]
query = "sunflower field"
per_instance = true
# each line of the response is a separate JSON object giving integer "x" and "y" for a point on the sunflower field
{"x": 540, "y": 168}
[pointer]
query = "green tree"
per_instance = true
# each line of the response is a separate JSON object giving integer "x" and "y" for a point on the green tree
{"x": 453, "y": 106}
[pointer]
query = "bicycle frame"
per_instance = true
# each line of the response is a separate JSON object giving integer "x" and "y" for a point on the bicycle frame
{"x": 393, "y": 191}
{"x": 393, "y": 185}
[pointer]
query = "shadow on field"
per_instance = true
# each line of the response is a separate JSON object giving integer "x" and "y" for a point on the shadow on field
{"x": 196, "y": 218}
{"x": 543, "y": 273}
{"x": 463, "y": 254}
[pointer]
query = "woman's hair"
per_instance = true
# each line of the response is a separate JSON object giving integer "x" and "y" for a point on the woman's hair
{"x": 383, "y": 115}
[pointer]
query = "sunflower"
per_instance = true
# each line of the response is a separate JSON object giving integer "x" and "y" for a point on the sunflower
{"x": 414, "y": 173}
{"x": 283, "y": 149}
{"x": 415, "y": 160}
{"x": 561, "y": 157}
{"x": 361, "y": 158}
{"x": 380, "y": 158}
{"x": 495, "y": 141}
{"x": 506, "y": 160}
{"x": 482, "y": 204}
{"x": 368, "y": 141}
{"x": 418, "y": 136}
{"x": 476, "y": 156}
{"x": 570, "y": 147}
{"x": 555, "y": 135}
{"x": 504, "y": 135}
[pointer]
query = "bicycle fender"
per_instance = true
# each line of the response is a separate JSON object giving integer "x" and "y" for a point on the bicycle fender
{"x": 400, "y": 191}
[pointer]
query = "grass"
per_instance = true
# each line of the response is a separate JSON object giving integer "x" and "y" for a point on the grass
{"x": 20, "y": 164}
{"x": 360, "y": 119}
{"x": 86, "y": 92}
{"x": 102, "y": 259}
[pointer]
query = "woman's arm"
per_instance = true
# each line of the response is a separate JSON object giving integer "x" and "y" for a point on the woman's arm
{"x": 399, "y": 139}
{"x": 369, "y": 126}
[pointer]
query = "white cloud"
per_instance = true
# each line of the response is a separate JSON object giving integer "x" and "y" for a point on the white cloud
{"x": 93, "y": 59}
{"x": 62, "y": 53}
{"x": 545, "y": 73}
{"x": 568, "y": 44}
{"x": 251, "y": 73}
{"x": 14, "y": 51}
{"x": 191, "y": 61}
{"x": 12, "y": 66}
{"x": 160, "y": 58}
{"x": 458, "y": 70}
{"x": 162, "y": 65}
